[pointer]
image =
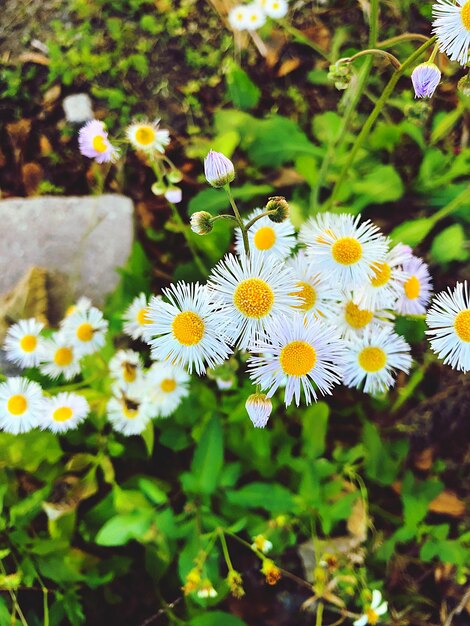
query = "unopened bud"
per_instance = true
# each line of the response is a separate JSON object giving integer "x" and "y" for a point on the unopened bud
{"x": 174, "y": 176}
{"x": 201, "y": 222}
{"x": 259, "y": 408}
{"x": 219, "y": 170}
{"x": 158, "y": 189}
{"x": 281, "y": 208}
{"x": 174, "y": 195}
{"x": 463, "y": 86}
{"x": 340, "y": 73}
{"x": 425, "y": 78}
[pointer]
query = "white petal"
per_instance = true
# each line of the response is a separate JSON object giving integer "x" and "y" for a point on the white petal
{"x": 362, "y": 621}
{"x": 380, "y": 610}
{"x": 376, "y": 599}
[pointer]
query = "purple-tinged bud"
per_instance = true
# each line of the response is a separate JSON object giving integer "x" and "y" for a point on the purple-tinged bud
{"x": 218, "y": 169}
{"x": 259, "y": 408}
{"x": 425, "y": 77}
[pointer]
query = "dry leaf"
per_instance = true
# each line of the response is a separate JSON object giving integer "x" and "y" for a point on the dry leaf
{"x": 51, "y": 96}
{"x": 32, "y": 174}
{"x": 357, "y": 521}
{"x": 448, "y": 503}
{"x": 45, "y": 146}
{"x": 34, "y": 57}
{"x": 27, "y": 299}
{"x": 288, "y": 177}
{"x": 288, "y": 66}
{"x": 18, "y": 133}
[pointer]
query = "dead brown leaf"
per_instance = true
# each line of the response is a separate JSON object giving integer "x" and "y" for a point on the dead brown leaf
{"x": 51, "y": 96}
{"x": 34, "y": 57}
{"x": 45, "y": 146}
{"x": 288, "y": 66}
{"x": 18, "y": 133}
{"x": 32, "y": 174}
{"x": 448, "y": 503}
{"x": 357, "y": 521}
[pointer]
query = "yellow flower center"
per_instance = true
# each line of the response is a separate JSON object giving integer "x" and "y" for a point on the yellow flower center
{"x": 297, "y": 358}
{"x": 275, "y": 5}
{"x": 129, "y": 372}
{"x": 253, "y": 298}
{"x": 129, "y": 412}
{"x": 63, "y": 357}
{"x": 372, "y": 617}
{"x": 141, "y": 317}
{"x": 145, "y": 135}
{"x": 356, "y": 317}
{"x": 264, "y": 238}
{"x": 462, "y": 325}
{"x": 383, "y": 273}
{"x": 372, "y": 359}
{"x": 254, "y": 17}
{"x": 188, "y": 328}
{"x": 307, "y": 294}
{"x": 465, "y": 14}
{"x": 346, "y": 251}
{"x": 28, "y": 343}
{"x": 412, "y": 288}
{"x": 62, "y": 414}
{"x": 168, "y": 385}
{"x": 99, "y": 144}
{"x": 85, "y": 332}
{"x": 17, "y": 405}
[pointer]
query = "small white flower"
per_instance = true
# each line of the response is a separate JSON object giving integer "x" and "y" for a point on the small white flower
{"x": 135, "y": 317}
{"x": 262, "y": 544}
{"x": 255, "y": 17}
{"x": 314, "y": 229}
{"x": 452, "y": 27}
{"x": 190, "y": 330}
{"x": 21, "y": 405}
{"x": 374, "y": 358}
{"x": 348, "y": 251}
{"x": 268, "y": 237}
{"x": 59, "y": 358}
{"x": 376, "y": 609}
{"x": 126, "y": 368}
{"x": 82, "y": 304}
{"x": 238, "y": 19}
{"x": 259, "y": 407}
{"x": 85, "y": 330}
{"x": 63, "y": 412}
{"x": 23, "y": 343}
{"x": 167, "y": 385}
{"x": 254, "y": 291}
{"x": 218, "y": 169}
{"x": 299, "y": 351}
{"x": 129, "y": 413}
{"x": 351, "y": 320}
{"x": 148, "y": 136}
{"x": 275, "y": 9}
{"x": 448, "y": 320}
{"x": 206, "y": 590}
{"x": 417, "y": 288}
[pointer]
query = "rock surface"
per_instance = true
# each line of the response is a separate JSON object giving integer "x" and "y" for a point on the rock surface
{"x": 79, "y": 240}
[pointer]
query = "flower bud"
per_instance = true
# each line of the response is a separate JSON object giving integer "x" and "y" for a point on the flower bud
{"x": 158, "y": 189}
{"x": 201, "y": 222}
{"x": 259, "y": 408}
{"x": 174, "y": 194}
{"x": 262, "y": 544}
{"x": 174, "y": 176}
{"x": 278, "y": 204}
{"x": 219, "y": 170}
{"x": 425, "y": 78}
{"x": 340, "y": 74}
{"x": 271, "y": 572}
{"x": 463, "y": 86}
{"x": 235, "y": 583}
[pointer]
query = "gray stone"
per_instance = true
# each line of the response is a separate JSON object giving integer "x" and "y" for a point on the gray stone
{"x": 79, "y": 240}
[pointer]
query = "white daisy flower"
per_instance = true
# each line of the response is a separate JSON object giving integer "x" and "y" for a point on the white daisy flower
{"x": 374, "y": 358}
{"x": 167, "y": 385}
{"x": 386, "y": 286}
{"x": 452, "y": 27}
{"x": 85, "y": 330}
{"x": 190, "y": 329}
{"x": 448, "y": 320}
{"x": 259, "y": 407}
{"x": 126, "y": 368}
{"x": 23, "y": 343}
{"x": 348, "y": 253}
{"x": 275, "y": 9}
{"x": 255, "y": 290}
{"x": 135, "y": 317}
{"x": 351, "y": 320}
{"x": 59, "y": 358}
{"x": 21, "y": 405}
{"x": 238, "y": 17}
{"x": 299, "y": 351}
{"x": 255, "y": 16}
{"x": 373, "y": 613}
{"x": 314, "y": 229}
{"x": 63, "y": 412}
{"x": 82, "y": 304}
{"x": 317, "y": 294}
{"x": 268, "y": 237}
{"x": 129, "y": 414}
{"x": 148, "y": 136}
{"x": 417, "y": 288}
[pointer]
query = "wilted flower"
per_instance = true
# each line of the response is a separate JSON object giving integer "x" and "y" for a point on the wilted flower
{"x": 271, "y": 572}
{"x": 425, "y": 78}
{"x": 219, "y": 170}
{"x": 201, "y": 222}
{"x": 259, "y": 408}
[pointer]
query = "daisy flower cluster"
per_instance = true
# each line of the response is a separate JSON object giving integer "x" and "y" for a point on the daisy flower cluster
{"x": 138, "y": 394}
{"x": 146, "y": 137}
{"x": 252, "y": 16}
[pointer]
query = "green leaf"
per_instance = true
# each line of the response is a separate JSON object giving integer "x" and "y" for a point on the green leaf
{"x": 326, "y": 126}
{"x": 412, "y": 232}
{"x": 269, "y": 496}
{"x": 241, "y": 90}
{"x": 416, "y": 496}
{"x": 382, "y": 185}
{"x": 314, "y": 429}
{"x": 449, "y": 245}
{"x": 382, "y": 461}
{"x": 148, "y": 437}
{"x": 122, "y": 528}
{"x": 216, "y": 618}
{"x": 208, "y": 457}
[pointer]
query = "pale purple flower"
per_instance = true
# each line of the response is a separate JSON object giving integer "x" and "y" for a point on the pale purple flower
{"x": 218, "y": 169}
{"x": 174, "y": 194}
{"x": 425, "y": 77}
{"x": 93, "y": 142}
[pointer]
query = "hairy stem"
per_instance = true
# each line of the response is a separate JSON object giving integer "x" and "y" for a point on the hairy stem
{"x": 238, "y": 217}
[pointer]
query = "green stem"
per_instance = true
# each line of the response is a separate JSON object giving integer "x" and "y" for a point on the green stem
{"x": 73, "y": 386}
{"x": 46, "y": 607}
{"x": 223, "y": 542}
{"x": 236, "y": 212}
{"x": 373, "y": 116}
{"x": 301, "y": 38}
{"x": 319, "y": 620}
{"x": 433, "y": 53}
{"x": 224, "y": 216}
{"x": 249, "y": 224}
{"x": 184, "y": 228}
{"x": 374, "y": 23}
{"x": 374, "y": 51}
{"x": 456, "y": 203}
{"x": 388, "y": 43}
